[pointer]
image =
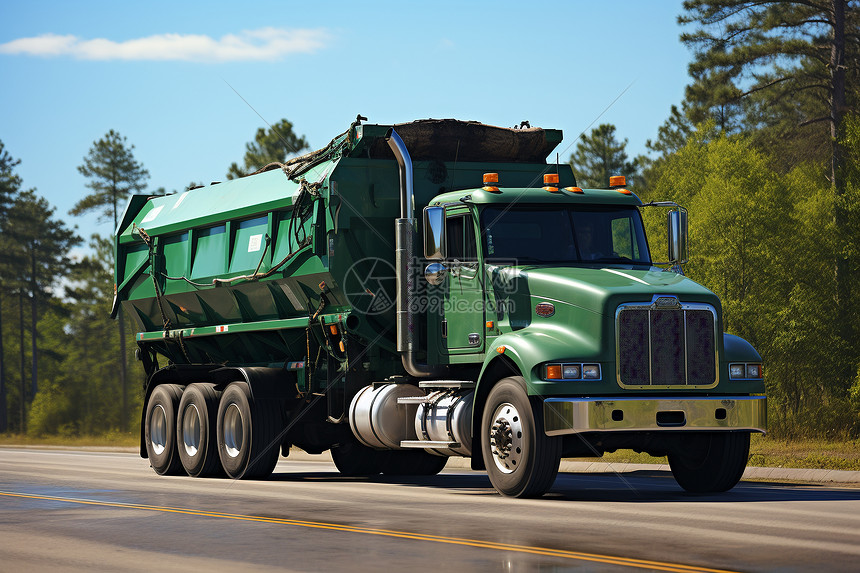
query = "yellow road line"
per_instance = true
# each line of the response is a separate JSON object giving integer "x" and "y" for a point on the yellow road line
{"x": 544, "y": 551}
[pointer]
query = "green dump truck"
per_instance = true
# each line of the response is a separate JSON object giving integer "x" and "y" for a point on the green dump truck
{"x": 425, "y": 290}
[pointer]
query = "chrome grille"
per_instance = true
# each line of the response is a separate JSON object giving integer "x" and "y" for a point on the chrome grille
{"x": 666, "y": 346}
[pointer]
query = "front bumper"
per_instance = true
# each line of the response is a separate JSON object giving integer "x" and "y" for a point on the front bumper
{"x": 723, "y": 413}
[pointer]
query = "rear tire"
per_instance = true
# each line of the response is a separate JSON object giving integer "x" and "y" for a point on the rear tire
{"x": 521, "y": 460}
{"x": 247, "y": 429}
{"x": 710, "y": 462}
{"x": 196, "y": 427}
{"x": 160, "y": 429}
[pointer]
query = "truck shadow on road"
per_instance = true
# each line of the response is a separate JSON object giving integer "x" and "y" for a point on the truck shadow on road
{"x": 636, "y": 487}
{"x": 659, "y": 486}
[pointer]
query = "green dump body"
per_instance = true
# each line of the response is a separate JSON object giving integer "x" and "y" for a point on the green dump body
{"x": 327, "y": 226}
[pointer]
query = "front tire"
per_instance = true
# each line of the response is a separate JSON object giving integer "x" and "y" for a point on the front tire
{"x": 247, "y": 429}
{"x": 413, "y": 463}
{"x": 710, "y": 462}
{"x": 521, "y": 460}
{"x": 196, "y": 428}
{"x": 354, "y": 459}
{"x": 160, "y": 429}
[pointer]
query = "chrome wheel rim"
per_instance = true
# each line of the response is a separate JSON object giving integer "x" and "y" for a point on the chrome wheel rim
{"x": 158, "y": 429}
{"x": 233, "y": 431}
{"x": 506, "y": 438}
{"x": 191, "y": 430}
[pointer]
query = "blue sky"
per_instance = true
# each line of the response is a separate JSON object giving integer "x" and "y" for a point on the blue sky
{"x": 157, "y": 72}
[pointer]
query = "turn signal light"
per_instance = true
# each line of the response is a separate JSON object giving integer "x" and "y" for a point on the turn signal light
{"x": 553, "y": 372}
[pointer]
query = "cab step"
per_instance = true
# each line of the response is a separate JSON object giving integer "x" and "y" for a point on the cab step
{"x": 439, "y": 445}
{"x": 447, "y": 384}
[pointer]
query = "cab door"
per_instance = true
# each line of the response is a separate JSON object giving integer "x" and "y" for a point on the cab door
{"x": 463, "y": 309}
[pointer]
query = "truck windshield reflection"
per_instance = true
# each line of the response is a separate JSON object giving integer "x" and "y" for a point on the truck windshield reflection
{"x": 549, "y": 234}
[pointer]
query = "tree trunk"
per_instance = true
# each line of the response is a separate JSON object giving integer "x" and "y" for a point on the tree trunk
{"x": 34, "y": 378}
{"x": 4, "y": 415}
{"x": 837, "y": 169}
{"x": 123, "y": 415}
{"x": 122, "y": 373}
{"x": 23, "y": 400}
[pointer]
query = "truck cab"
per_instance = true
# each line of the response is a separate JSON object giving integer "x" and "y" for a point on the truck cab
{"x": 556, "y": 287}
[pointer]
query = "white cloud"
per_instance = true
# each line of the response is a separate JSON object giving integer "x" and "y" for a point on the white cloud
{"x": 265, "y": 44}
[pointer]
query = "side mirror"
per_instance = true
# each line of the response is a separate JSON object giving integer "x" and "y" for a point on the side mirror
{"x": 677, "y": 225}
{"x": 435, "y": 273}
{"x": 434, "y": 233}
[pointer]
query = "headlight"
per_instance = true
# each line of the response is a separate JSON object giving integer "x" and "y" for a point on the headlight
{"x": 591, "y": 371}
{"x": 570, "y": 371}
{"x": 745, "y": 371}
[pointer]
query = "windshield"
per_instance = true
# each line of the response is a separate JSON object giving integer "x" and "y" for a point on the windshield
{"x": 564, "y": 234}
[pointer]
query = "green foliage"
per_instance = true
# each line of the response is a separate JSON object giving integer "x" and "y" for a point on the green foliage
{"x": 39, "y": 243}
{"x": 113, "y": 175}
{"x": 600, "y": 155}
{"x": 59, "y": 350}
{"x": 84, "y": 394}
{"x": 273, "y": 145}
{"x": 10, "y": 185}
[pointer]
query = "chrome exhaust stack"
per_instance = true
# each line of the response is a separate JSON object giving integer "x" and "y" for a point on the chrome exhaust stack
{"x": 404, "y": 263}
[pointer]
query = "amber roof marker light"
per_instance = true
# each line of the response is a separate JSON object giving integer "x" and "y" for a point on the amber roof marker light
{"x": 491, "y": 182}
{"x": 550, "y": 181}
{"x": 617, "y": 181}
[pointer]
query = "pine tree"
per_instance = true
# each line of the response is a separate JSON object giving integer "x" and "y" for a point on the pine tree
{"x": 599, "y": 155}
{"x": 273, "y": 145}
{"x": 39, "y": 244}
{"x": 113, "y": 175}
{"x": 10, "y": 184}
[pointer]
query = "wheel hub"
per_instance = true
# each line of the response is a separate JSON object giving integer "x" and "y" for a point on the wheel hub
{"x": 233, "y": 431}
{"x": 501, "y": 435}
{"x": 506, "y": 438}
{"x": 191, "y": 430}
{"x": 158, "y": 429}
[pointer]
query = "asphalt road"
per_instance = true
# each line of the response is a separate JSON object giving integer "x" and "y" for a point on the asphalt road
{"x": 86, "y": 511}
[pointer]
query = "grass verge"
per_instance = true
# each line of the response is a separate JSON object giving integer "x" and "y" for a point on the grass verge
{"x": 112, "y": 440}
{"x": 774, "y": 453}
